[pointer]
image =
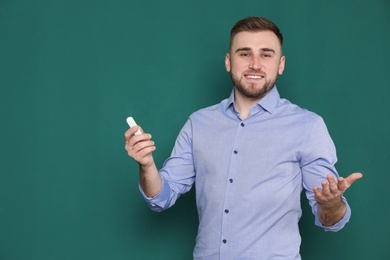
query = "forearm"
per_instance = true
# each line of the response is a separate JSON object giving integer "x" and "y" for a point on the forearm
{"x": 150, "y": 180}
{"x": 331, "y": 214}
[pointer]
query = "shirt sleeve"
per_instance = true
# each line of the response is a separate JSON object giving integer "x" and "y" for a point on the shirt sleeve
{"x": 177, "y": 173}
{"x": 318, "y": 160}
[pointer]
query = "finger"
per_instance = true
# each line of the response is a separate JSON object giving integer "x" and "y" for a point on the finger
{"x": 345, "y": 183}
{"x": 146, "y": 151}
{"x": 332, "y": 184}
{"x": 140, "y": 150}
{"x": 128, "y": 134}
{"x": 136, "y": 148}
{"x": 138, "y": 142}
{"x": 142, "y": 155}
{"x": 325, "y": 188}
{"x": 342, "y": 184}
{"x": 135, "y": 129}
{"x": 317, "y": 193}
{"x": 353, "y": 177}
{"x": 132, "y": 131}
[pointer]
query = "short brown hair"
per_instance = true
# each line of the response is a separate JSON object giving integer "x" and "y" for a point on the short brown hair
{"x": 254, "y": 24}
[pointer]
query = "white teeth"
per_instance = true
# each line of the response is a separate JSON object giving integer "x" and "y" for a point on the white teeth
{"x": 254, "y": 77}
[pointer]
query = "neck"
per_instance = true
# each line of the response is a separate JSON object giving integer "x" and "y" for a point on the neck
{"x": 244, "y": 104}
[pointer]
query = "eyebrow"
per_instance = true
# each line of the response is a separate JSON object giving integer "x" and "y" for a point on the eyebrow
{"x": 268, "y": 50}
{"x": 248, "y": 49}
{"x": 243, "y": 49}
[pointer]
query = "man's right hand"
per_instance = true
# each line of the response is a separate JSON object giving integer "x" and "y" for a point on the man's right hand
{"x": 139, "y": 147}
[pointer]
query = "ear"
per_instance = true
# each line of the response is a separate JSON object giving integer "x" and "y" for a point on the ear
{"x": 227, "y": 62}
{"x": 281, "y": 65}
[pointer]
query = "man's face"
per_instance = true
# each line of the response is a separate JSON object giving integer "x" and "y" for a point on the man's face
{"x": 254, "y": 62}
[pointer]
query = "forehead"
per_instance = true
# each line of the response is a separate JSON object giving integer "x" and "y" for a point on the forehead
{"x": 256, "y": 40}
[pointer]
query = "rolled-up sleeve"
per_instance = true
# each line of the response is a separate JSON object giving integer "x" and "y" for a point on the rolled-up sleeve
{"x": 177, "y": 173}
{"x": 318, "y": 160}
{"x": 159, "y": 202}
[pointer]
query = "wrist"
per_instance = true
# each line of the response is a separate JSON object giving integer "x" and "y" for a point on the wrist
{"x": 331, "y": 214}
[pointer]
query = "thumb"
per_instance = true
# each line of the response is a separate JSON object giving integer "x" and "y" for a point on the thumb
{"x": 353, "y": 177}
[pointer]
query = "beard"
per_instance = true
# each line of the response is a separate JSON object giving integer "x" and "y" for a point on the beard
{"x": 253, "y": 90}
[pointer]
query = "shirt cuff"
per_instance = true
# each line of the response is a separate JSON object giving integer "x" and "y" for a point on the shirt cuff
{"x": 339, "y": 225}
{"x": 160, "y": 201}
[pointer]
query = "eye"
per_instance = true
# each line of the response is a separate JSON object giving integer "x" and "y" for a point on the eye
{"x": 244, "y": 54}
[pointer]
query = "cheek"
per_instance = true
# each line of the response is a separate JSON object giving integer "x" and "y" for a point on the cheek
{"x": 274, "y": 68}
{"x": 238, "y": 67}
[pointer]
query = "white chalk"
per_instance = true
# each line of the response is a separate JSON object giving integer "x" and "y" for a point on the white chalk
{"x": 130, "y": 121}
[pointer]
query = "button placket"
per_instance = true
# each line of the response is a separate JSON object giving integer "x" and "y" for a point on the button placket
{"x": 226, "y": 210}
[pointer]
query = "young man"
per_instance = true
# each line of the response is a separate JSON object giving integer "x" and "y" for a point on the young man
{"x": 249, "y": 156}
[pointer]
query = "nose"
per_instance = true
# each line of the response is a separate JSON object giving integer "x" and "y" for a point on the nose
{"x": 255, "y": 63}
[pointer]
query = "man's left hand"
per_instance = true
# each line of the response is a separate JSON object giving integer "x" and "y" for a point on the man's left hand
{"x": 332, "y": 190}
{"x": 330, "y": 204}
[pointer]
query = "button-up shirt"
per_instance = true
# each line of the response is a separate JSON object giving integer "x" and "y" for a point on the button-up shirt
{"x": 248, "y": 177}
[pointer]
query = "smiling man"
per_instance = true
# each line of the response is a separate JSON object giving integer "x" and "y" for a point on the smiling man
{"x": 254, "y": 62}
{"x": 250, "y": 157}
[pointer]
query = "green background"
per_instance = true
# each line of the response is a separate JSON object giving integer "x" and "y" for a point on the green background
{"x": 72, "y": 71}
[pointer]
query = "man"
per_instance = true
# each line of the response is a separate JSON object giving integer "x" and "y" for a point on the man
{"x": 250, "y": 157}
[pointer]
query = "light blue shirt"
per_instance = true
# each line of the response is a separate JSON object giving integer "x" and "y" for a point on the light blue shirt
{"x": 248, "y": 177}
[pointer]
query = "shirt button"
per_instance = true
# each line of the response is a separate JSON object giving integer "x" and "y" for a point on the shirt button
{"x": 224, "y": 241}
{"x": 231, "y": 180}
{"x": 235, "y": 152}
{"x": 242, "y": 124}
{"x": 226, "y": 211}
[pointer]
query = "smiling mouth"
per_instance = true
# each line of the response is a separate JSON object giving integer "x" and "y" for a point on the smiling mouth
{"x": 251, "y": 76}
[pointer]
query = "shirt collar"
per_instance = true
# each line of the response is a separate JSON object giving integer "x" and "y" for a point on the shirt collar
{"x": 268, "y": 103}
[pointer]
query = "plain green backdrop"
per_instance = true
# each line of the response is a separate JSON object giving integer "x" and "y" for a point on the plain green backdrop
{"x": 72, "y": 71}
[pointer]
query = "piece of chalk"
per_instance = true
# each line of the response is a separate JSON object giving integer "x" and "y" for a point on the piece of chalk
{"x": 130, "y": 121}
